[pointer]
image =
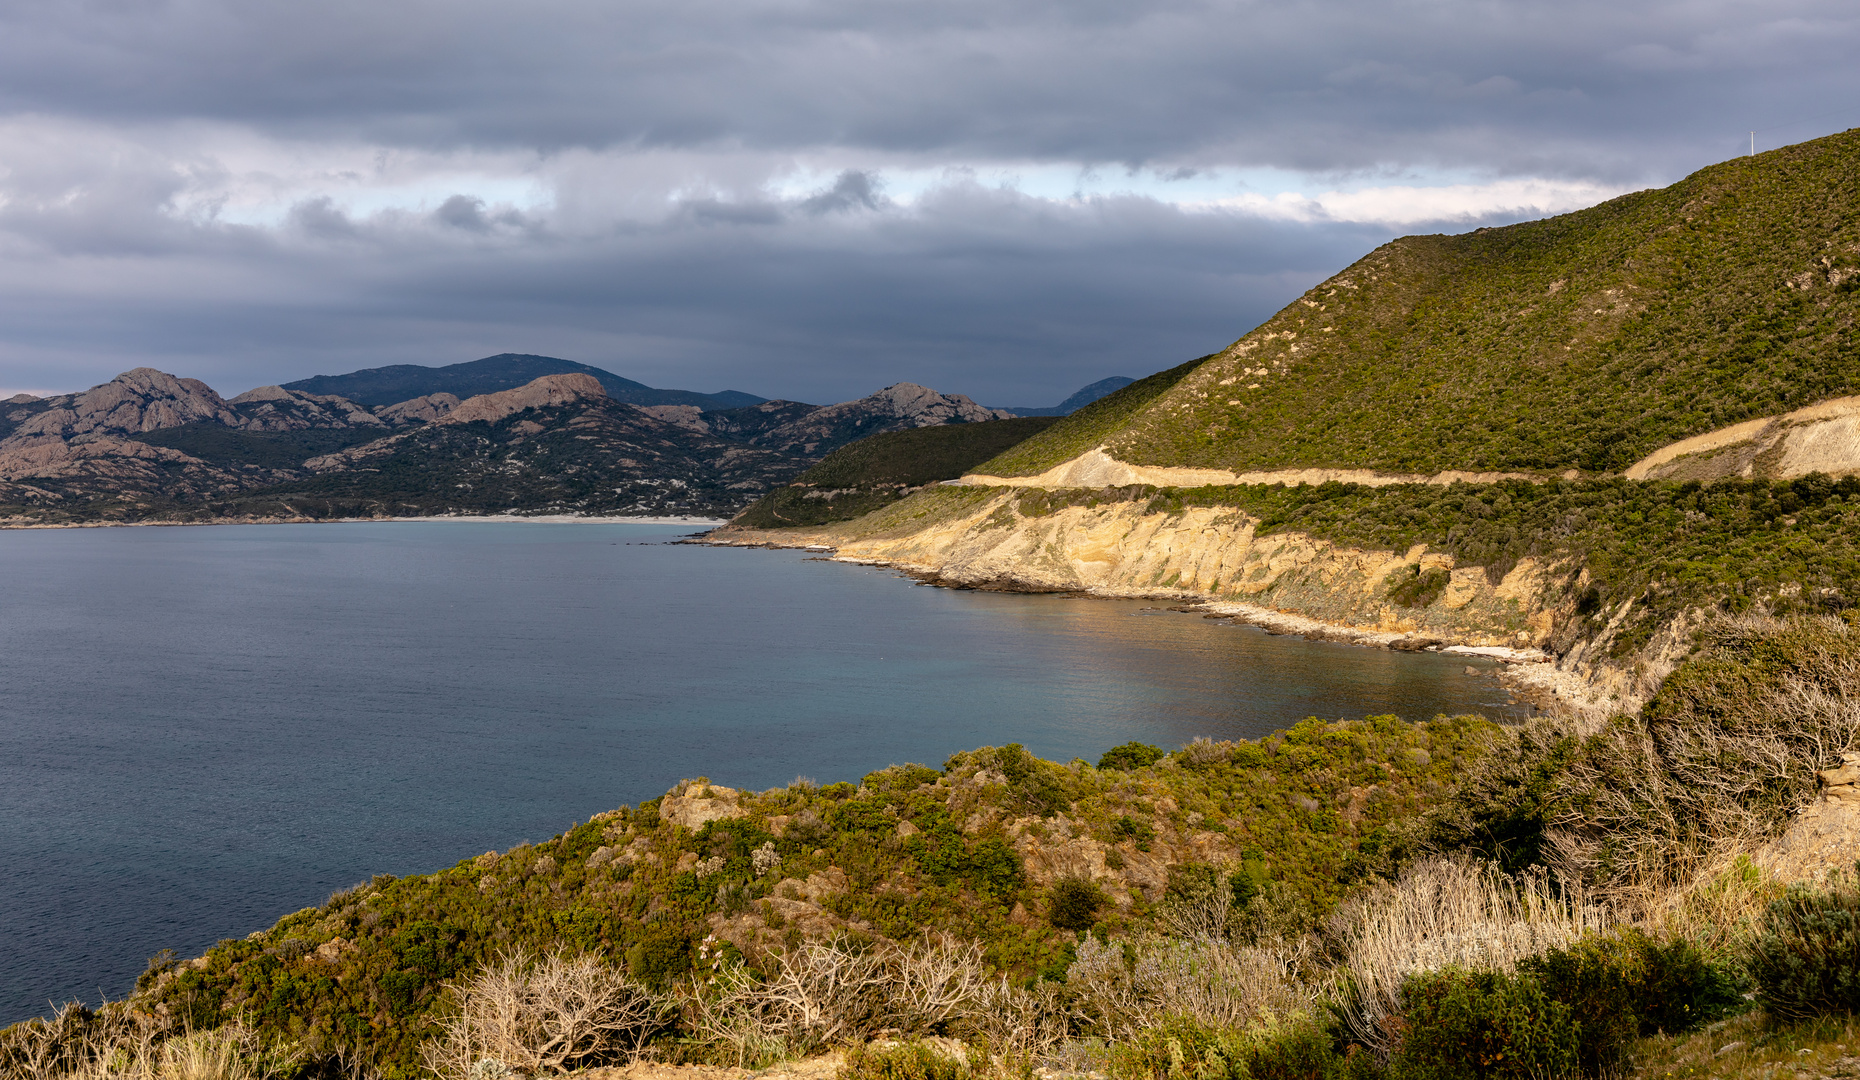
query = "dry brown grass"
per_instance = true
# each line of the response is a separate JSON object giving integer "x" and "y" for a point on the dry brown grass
{"x": 112, "y": 1043}
{"x": 552, "y": 1014}
{"x": 1216, "y": 983}
{"x": 825, "y": 992}
{"x": 1446, "y": 912}
{"x": 1751, "y": 1047}
{"x": 1716, "y": 764}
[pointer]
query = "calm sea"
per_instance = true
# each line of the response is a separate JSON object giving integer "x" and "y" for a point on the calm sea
{"x": 203, "y": 729}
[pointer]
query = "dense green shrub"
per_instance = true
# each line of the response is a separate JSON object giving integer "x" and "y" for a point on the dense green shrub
{"x": 1581, "y": 341}
{"x": 1289, "y": 1048}
{"x": 903, "y": 1061}
{"x": 1419, "y": 588}
{"x": 1073, "y": 903}
{"x": 1040, "y": 787}
{"x": 1129, "y": 828}
{"x": 1085, "y": 428}
{"x": 1806, "y": 961}
{"x": 1131, "y": 755}
{"x": 358, "y": 977}
{"x": 1626, "y": 983}
{"x": 1482, "y": 1025}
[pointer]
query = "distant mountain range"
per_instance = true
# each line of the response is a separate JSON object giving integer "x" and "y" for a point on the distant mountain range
{"x": 1085, "y": 396}
{"x": 488, "y": 436}
{"x": 374, "y": 387}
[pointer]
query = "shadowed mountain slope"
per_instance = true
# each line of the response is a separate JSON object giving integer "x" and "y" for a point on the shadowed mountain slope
{"x": 876, "y": 471}
{"x": 1080, "y": 398}
{"x": 556, "y": 445}
{"x": 899, "y": 407}
{"x": 375, "y": 387}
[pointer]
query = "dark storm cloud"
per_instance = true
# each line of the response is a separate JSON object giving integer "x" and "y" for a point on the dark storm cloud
{"x": 1015, "y": 299}
{"x": 1561, "y": 87}
{"x": 795, "y": 197}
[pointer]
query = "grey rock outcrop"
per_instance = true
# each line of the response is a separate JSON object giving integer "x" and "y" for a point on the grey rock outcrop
{"x": 548, "y": 390}
{"x": 273, "y": 408}
{"x": 1825, "y": 836}
{"x": 895, "y": 408}
{"x": 136, "y": 401}
{"x": 420, "y": 410}
{"x": 693, "y": 804}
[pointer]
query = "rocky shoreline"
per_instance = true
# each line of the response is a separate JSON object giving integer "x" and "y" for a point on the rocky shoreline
{"x": 1530, "y": 675}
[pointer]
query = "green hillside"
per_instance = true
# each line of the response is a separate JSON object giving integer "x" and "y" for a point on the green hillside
{"x": 879, "y": 470}
{"x": 1086, "y": 428}
{"x": 1582, "y": 341}
{"x": 1316, "y": 903}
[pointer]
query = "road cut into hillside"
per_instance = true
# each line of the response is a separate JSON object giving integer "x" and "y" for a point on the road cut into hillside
{"x": 1098, "y": 469}
{"x": 1821, "y": 438}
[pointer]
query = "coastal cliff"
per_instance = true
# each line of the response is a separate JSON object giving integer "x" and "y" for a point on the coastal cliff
{"x": 1120, "y": 543}
{"x": 1576, "y": 436}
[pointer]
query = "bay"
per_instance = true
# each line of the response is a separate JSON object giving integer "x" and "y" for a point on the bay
{"x": 205, "y": 728}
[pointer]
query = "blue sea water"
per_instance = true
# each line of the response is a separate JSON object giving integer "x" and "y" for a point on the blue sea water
{"x": 205, "y": 728}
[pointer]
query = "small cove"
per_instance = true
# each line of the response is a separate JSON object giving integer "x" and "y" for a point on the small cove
{"x": 203, "y": 729}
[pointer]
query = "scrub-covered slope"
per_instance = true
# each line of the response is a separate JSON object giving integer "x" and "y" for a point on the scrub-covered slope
{"x": 880, "y": 469}
{"x": 1584, "y": 341}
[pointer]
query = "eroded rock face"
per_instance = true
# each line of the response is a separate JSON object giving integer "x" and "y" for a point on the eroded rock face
{"x": 685, "y": 416}
{"x": 1825, "y": 836}
{"x": 695, "y": 804}
{"x": 273, "y": 408}
{"x": 895, "y": 408}
{"x": 420, "y": 410}
{"x": 1213, "y": 554}
{"x": 1823, "y": 437}
{"x": 548, "y": 390}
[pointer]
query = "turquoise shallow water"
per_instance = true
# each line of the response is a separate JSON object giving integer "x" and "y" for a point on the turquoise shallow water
{"x": 202, "y": 729}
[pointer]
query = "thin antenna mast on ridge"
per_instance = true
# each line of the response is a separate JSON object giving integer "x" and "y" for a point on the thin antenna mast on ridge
{"x": 1753, "y": 144}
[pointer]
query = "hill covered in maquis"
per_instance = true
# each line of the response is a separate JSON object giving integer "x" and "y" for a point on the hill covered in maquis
{"x": 1583, "y": 341}
{"x": 1559, "y": 352}
{"x": 976, "y": 848}
{"x": 880, "y": 469}
{"x": 1230, "y": 897}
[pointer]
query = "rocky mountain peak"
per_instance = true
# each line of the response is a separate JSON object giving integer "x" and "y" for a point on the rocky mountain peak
{"x": 548, "y": 390}
{"x": 139, "y": 400}
{"x": 895, "y": 408}
{"x": 273, "y": 408}
{"x": 420, "y": 410}
{"x": 909, "y": 401}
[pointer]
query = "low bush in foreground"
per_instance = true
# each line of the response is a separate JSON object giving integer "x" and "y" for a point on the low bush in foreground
{"x": 1806, "y": 961}
{"x": 1295, "y": 1047}
{"x": 1483, "y": 1025}
{"x": 904, "y": 1061}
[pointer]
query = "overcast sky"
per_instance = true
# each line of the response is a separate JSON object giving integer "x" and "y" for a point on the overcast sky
{"x": 812, "y": 198}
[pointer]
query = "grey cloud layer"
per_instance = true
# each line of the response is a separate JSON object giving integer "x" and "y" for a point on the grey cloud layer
{"x": 980, "y": 290}
{"x": 1630, "y": 89}
{"x": 670, "y": 242}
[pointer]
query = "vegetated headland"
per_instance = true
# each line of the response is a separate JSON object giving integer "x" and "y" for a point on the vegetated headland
{"x": 1618, "y": 439}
